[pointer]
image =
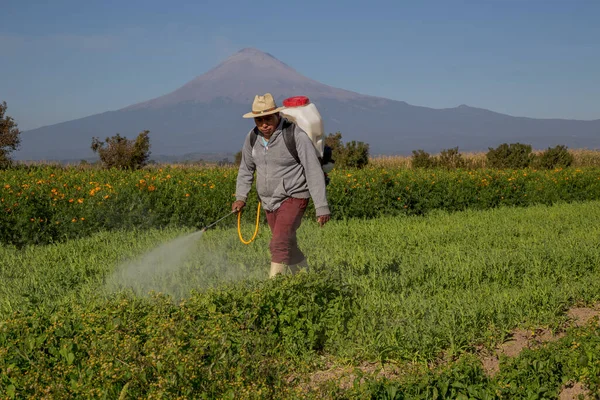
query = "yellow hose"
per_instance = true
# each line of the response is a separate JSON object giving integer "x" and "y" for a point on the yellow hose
{"x": 255, "y": 229}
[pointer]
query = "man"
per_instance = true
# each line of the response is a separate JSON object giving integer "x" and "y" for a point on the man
{"x": 283, "y": 185}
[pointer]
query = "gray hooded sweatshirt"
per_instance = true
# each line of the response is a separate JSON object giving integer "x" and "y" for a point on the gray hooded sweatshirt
{"x": 278, "y": 175}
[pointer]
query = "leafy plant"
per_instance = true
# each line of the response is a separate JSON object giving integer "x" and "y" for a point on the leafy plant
{"x": 514, "y": 155}
{"x": 119, "y": 152}
{"x": 334, "y": 141}
{"x": 353, "y": 154}
{"x": 416, "y": 294}
{"x": 451, "y": 159}
{"x": 48, "y": 204}
{"x": 9, "y": 137}
{"x": 554, "y": 157}
{"x": 422, "y": 159}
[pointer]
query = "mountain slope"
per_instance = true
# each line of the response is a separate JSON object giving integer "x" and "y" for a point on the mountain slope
{"x": 241, "y": 77}
{"x": 204, "y": 116}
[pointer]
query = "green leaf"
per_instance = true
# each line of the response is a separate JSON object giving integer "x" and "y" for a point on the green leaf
{"x": 11, "y": 390}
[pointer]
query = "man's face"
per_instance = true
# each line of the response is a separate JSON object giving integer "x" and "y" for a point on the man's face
{"x": 267, "y": 124}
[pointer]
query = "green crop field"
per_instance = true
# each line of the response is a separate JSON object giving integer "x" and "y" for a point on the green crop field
{"x": 407, "y": 304}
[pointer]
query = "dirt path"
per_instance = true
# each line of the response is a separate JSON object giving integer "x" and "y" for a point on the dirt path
{"x": 520, "y": 339}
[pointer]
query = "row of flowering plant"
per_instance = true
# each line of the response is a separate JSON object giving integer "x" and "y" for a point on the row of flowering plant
{"x": 47, "y": 204}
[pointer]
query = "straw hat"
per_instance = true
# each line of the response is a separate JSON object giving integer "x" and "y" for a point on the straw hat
{"x": 263, "y": 105}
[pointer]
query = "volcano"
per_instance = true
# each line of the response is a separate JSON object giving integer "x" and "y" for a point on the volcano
{"x": 204, "y": 116}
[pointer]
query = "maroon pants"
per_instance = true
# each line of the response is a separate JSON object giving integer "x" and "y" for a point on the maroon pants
{"x": 283, "y": 223}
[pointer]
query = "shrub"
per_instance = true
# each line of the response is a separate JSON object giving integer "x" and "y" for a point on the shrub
{"x": 9, "y": 137}
{"x": 335, "y": 142}
{"x": 119, "y": 152}
{"x": 354, "y": 155}
{"x": 514, "y": 155}
{"x": 422, "y": 159}
{"x": 554, "y": 157}
{"x": 451, "y": 158}
{"x": 351, "y": 155}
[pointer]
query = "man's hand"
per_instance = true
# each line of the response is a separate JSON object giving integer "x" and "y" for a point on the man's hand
{"x": 237, "y": 206}
{"x": 322, "y": 220}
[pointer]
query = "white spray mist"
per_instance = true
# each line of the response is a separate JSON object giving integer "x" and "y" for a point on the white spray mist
{"x": 180, "y": 266}
{"x": 147, "y": 273}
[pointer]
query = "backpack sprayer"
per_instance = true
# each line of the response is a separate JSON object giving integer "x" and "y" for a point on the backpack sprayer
{"x": 303, "y": 113}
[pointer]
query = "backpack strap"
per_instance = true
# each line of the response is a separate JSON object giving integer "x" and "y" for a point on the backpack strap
{"x": 288, "y": 138}
{"x": 290, "y": 142}
{"x": 253, "y": 137}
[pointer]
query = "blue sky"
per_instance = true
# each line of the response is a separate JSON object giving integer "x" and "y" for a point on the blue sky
{"x": 66, "y": 59}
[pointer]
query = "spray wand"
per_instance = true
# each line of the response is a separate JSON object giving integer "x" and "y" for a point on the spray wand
{"x": 239, "y": 224}
{"x": 217, "y": 221}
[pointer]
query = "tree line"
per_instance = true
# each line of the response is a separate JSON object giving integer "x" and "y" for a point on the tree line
{"x": 122, "y": 153}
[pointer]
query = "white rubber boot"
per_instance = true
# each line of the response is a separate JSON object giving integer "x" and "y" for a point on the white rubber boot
{"x": 301, "y": 266}
{"x": 277, "y": 268}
